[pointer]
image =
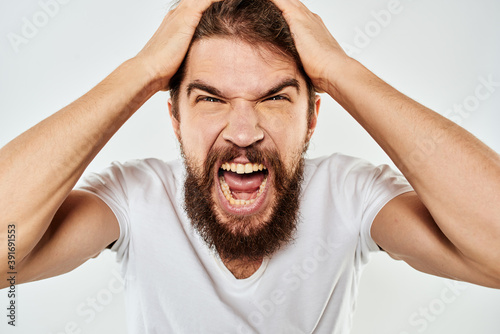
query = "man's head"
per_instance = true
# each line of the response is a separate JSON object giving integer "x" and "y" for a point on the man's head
{"x": 256, "y": 22}
{"x": 243, "y": 111}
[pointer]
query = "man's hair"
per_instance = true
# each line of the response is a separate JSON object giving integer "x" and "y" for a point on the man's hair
{"x": 257, "y": 22}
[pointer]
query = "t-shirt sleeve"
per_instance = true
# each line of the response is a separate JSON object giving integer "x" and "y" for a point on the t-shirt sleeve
{"x": 110, "y": 186}
{"x": 382, "y": 184}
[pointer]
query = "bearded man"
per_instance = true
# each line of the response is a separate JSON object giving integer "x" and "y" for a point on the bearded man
{"x": 244, "y": 234}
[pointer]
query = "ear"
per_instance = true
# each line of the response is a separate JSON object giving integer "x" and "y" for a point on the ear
{"x": 175, "y": 121}
{"x": 314, "y": 117}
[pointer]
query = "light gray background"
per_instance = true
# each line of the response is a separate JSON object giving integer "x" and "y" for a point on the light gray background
{"x": 434, "y": 51}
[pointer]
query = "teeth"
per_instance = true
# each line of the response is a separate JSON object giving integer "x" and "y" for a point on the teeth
{"x": 240, "y": 169}
{"x": 243, "y": 168}
{"x": 233, "y": 201}
{"x": 248, "y": 168}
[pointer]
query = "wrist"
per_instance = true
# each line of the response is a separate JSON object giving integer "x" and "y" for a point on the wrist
{"x": 145, "y": 75}
{"x": 128, "y": 87}
{"x": 338, "y": 74}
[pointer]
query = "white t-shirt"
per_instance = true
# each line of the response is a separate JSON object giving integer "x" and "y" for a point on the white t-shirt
{"x": 175, "y": 284}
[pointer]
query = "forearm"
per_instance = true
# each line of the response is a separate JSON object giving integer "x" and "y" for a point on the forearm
{"x": 41, "y": 166}
{"x": 456, "y": 176}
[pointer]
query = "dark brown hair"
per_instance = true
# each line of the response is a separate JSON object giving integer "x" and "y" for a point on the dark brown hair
{"x": 257, "y": 22}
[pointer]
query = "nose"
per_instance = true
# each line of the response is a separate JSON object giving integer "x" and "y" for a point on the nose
{"x": 242, "y": 127}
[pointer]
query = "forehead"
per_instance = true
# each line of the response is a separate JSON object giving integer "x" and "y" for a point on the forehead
{"x": 237, "y": 68}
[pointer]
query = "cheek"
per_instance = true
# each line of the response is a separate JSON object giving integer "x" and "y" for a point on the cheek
{"x": 286, "y": 127}
{"x": 198, "y": 135}
{"x": 275, "y": 123}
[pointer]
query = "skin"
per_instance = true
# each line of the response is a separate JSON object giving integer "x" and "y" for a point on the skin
{"x": 62, "y": 228}
{"x": 241, "y": 113}
{"x": 450, "y": 225}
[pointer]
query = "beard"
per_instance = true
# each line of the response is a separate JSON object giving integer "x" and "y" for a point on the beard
{"x": 249, "y": 237}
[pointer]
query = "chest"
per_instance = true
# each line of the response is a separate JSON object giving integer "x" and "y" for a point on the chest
{"x": 188, "y": 291}
{"x": 177, "y": 285}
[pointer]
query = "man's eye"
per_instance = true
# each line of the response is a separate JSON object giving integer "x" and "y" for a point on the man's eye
{"x": 277, "y": 98}
{"x": 208, "y": 99}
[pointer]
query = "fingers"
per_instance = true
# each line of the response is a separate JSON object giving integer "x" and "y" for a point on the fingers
{"x": 197, "y": 5}
{"x": 297, "y": 14}
{"x": 170, "y": 42}
{"x": 318, "y": 49}
{"x": 285, "y": 4}
{"x": 290, "y": 6}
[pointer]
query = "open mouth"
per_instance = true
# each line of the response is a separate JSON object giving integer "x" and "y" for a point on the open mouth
{"x": 243, "y": 184}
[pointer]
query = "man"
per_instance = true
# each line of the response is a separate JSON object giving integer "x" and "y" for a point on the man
{"x": 244, "y": 111}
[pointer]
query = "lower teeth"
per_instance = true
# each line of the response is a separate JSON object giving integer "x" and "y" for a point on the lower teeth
{"x": 233, "y": 201}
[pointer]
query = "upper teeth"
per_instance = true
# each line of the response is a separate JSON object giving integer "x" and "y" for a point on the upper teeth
{"x": 242, "y": 168}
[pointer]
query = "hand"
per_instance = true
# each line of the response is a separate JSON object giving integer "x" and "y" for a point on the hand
{"x": 319, "y": 52}
{"x": 164, "y": 52}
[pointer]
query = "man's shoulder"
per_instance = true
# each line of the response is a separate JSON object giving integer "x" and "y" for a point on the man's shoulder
{"x": 138, "y": 172}
{"x": 148, "y": 166}
{"x": 333, "y": 157}
{"x": 341, "y": 170}
{"x": 337, "y": 163}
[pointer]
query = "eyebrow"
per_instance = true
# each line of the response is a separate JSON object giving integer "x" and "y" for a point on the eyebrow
{"x": 200, "y": 85}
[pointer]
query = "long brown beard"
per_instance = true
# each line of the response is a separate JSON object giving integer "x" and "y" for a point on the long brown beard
{"x": 240, "y": 237}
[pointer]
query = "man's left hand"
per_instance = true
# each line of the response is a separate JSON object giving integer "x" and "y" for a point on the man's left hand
{"x": 319, "y": 52}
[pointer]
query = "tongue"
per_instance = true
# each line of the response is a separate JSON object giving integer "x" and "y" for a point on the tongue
{"x": 247, "y": 183}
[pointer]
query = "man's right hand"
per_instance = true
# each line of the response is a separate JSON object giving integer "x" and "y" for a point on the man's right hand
{"x": 165, "y": 51}
{"x": 59, "y": 228}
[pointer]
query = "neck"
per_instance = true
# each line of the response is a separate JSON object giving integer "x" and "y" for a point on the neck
{"x": 242, "y": 268}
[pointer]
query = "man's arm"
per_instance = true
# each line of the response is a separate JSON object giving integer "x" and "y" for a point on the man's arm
{"x": 56, "y": 232}
{"x": 451, "y": 225}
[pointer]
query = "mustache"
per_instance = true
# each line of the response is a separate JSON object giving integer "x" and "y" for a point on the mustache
{"x": 240, "y": 239}
{"x": 269, "y": 157}
{"x": 252, "y": 153}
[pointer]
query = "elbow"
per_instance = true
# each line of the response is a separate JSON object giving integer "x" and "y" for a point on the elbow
{"x": 493, "y": 277}
{"x": 496, "y": 277}
{"x": 3, "y": 273}
{"x": 8, "y": 279}
{"x": 495, "y": 271}
{"x": 7, "y": 284}
{"x": 496, "y": 284}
